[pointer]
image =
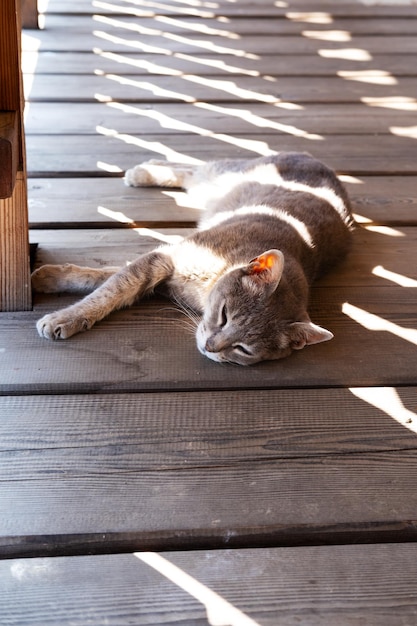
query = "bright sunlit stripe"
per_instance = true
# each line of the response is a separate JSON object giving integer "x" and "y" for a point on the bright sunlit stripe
{"x": 377, "y": 323}
{"x": 386, "y": 399}
{"x": 220, "y": 612}
{"x": 398, "y": 279}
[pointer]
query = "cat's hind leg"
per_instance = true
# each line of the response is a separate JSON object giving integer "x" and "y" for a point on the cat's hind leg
{"x": 70, "y": 278}
{"x": 156, "y": 173}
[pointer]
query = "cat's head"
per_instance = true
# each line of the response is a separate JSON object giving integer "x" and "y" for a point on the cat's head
{"x": 252, "y": 315}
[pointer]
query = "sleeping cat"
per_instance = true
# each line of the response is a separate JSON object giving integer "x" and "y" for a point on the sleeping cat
{"x": 271, "y": 226}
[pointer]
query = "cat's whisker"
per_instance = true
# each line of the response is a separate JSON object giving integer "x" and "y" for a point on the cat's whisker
{"x": 191, "y": 319}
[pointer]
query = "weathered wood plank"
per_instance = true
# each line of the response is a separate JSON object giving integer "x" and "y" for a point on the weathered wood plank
{"x": 107, "y": 39}
{"x": 209, "y": 64}
{"x": 151, "y": 347}
{"x": 244, "y": 8}
{"x": 59, "y": 201}
{"x": 238, "y": 26}
{"x": 314, "y": 121}
{"x": 55, "y": 436}
{"x": 272, "y": 503}
{"x": 313, "y": 586}
{"x": 107, "y": 202}
{"x": 191, "y": 88}
{"x": 114, "y": 153}
{"x": 393, "y": 249}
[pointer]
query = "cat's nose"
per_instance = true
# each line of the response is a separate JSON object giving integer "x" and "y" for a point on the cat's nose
{"x": 210, "y": 345}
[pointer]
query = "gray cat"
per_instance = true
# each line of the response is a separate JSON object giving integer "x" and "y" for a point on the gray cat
{"x": 271, "y": 226}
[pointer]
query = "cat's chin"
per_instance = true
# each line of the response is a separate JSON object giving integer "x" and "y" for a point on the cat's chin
{"x": 201, "y": 342}
{"x": 213, "y": 356}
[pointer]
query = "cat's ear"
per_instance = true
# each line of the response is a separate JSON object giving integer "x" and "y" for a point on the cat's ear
{"x": 265, "y": 271}
{"x": 306, "y": 333}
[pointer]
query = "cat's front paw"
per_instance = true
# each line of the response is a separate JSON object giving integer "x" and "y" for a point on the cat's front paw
{"x": 61, "y": 325}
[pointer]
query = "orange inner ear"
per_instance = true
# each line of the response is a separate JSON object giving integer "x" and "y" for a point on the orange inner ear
{"x": 263, "y": 262}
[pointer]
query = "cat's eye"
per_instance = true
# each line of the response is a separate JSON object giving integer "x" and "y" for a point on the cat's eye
{"x": 223, "y": 316}
{"x": 242, "y": 349}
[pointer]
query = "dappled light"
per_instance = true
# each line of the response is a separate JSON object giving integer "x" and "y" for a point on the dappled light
{"x": 127, "y": 436}
{"x": 197, "y": 27}
{"x": 219, "y": 611}
{"x": 328, "y": 35}
{"x": 315, "y": 17}
{"x": 394, "y": 277}
{"x": 404, "y": 131}
{"x": 387, "y": 400}
{"x": 347, "y": 54}
{"x": 153, "y": 146}
{"x": 111, "y": 168}
{"x": 383, "y": 230}
{"x": 401, "y": 103}
{"x": 376, "y": 77}
{"x": 374, "y": 322}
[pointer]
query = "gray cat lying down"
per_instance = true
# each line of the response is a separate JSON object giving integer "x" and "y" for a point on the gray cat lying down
{"x": 271, "y": 226}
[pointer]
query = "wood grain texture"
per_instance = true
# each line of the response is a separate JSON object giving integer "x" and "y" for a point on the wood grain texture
{"x": 59, "y": 202}
{"x": 100, "y": 155}
{"x": 281, "y": 502}
{"x": 314, "y": 121}
{"x": 190, "y": 88}
{"x": 239, "y": 26}
{"x": 126, "y": 438}
{"x": 126, "y": 41}
{"x": 205, "y": 63}
{"x": 272, "y": 587}
{"x": 15, "y": 290}
{"x": 151, "y": 347}
{"x": 70, "y": 436}
{"x": 393, "y": 249}
{"x": 244, "y": 8}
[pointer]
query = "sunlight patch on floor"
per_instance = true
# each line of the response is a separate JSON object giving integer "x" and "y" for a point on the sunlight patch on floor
{"x": 404, "y": 131}
{"x": 151, "y": 146}
{"x": 342, "y": 36}
{"x": 401, "y": 103}
{"x": 220, "y": 612}
{"x": 374, "y": 77}
{"x": 398, "y": 279}
{"x": 386, "y": 399}
{"x": 384, "y": 230}
{"x": 315, "y": 17}
{"x": 348, "y": 54}
{"x": 377, "y": 323}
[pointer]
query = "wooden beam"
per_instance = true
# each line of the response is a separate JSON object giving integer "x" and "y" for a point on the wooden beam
{"x": 15, "y": 292}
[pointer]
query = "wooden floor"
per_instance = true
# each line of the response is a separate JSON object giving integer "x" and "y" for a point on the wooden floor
{"x": 141, "y": 483}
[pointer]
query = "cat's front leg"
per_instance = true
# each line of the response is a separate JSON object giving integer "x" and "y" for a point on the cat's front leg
{"x": 119, "y": 291}
{"x": 156, "y": 173}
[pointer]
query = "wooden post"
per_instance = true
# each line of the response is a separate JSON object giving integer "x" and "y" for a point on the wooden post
{"x": 15, "y": 291}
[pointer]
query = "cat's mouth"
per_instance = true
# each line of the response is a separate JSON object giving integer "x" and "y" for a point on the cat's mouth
{"x": 201, "y": 338}
{"x": 218, "y": 356}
